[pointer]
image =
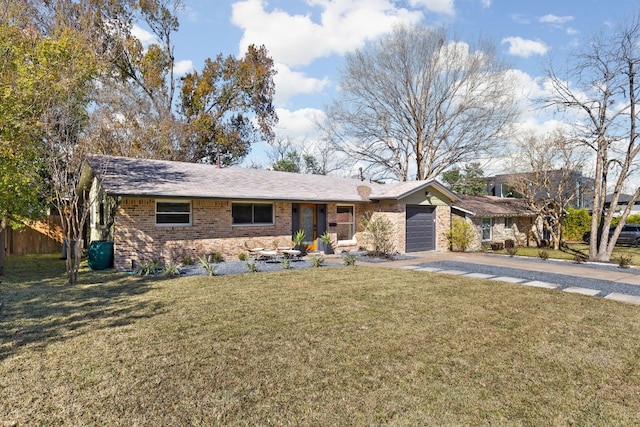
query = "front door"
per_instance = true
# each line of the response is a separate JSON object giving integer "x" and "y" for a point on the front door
{"x": 309, "y": 225}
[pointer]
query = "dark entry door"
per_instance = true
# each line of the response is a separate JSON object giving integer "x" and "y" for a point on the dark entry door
{"x": 421, "y": 226}
{"x": 308, "y": 224}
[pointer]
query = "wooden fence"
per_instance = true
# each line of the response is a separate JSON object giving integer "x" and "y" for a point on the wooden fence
{"x": 36, "y": 237}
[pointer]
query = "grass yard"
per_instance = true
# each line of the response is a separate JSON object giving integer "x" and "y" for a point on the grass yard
{"x": 323, "y": 346}
{"x": 572, "y": 249}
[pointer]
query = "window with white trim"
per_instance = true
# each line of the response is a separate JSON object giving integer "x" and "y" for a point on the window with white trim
{"x": 252, "y": 213}
{"x": 345, "y": 222}
{"x": 171, "y": 213}
{"x": 508, "y": 222}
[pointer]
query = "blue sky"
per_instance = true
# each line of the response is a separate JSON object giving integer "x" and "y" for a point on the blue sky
{"x": 308, "y": 39}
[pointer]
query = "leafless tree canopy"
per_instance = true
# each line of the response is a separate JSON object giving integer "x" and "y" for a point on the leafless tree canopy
{"x": 414, "y": 103}
{"x": 600, "y": 86}
{"x": 546, "y": 171}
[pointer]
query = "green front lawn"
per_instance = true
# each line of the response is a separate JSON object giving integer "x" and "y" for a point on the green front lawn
{"x": 324, "y": 346}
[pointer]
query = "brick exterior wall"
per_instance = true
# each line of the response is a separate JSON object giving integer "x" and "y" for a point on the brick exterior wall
{"x": 137, "y": 237}
{"x": 520, "y": 232}
{"x": 443, "y": 225}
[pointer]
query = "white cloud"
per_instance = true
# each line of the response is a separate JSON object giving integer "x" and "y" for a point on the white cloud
{"x": 572, "y": 31}
{"x": 519, "y": 19}
{"x": 183, "y": 67}
{"x": 525, "y": 48}
{"x": 486, "y": 3}
{"x": 289, "y": 83}
{"x": 145, "y": 37}
{"x": 296, "y": 40}
{"x": 299, "y": 125}
{"x": 439, "y": 6}
{"x": 556, "y": 20}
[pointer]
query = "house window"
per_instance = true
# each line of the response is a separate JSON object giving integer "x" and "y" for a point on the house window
{"x": 252, "y": 213}
{"x": 486, "y": 229}
{"x": 173, "y": 213}
{"x": 345, "y": 222}
{"x": 508, "y": 222}
{"x": 101, "y": 213}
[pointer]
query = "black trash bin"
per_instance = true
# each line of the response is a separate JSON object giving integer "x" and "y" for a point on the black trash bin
{"x": 100, "y": 255}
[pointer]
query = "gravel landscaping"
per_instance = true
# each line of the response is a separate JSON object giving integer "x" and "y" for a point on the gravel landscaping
{"x": 240, "y": 267}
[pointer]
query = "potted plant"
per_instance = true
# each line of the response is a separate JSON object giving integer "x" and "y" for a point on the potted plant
{"x": 325, "y": 239}
{"x": 298, "y": 240}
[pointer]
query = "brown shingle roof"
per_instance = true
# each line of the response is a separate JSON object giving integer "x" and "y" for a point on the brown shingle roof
{"x": 122, "y": 176}
{"x": 492, "y": 206}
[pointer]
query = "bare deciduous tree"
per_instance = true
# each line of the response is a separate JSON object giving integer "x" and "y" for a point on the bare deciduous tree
{"x": 414, "y": 103}
{"x": 315, "y": 157}
{"x": 547, "y": 173}
{"x": 601, "y": 87}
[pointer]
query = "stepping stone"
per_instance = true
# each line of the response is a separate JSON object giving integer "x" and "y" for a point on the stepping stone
{"x": 507, "y": 279}
{"x": 631, "y": 299}
{"x": 539, "y": 284}
{"x": 453, "y": 272}
{"x": 429, "y": 269}
{"x": 479, "y": 275}
{"x": 582, "y": 291}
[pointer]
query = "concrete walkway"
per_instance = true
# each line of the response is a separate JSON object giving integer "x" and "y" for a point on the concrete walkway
{"x": 606, "y": 281}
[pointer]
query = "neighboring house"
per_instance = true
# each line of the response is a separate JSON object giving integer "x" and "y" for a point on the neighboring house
{"x": 580, "y": 192}
{"x": 496, "y": 219}
{"x": 623, "y": 202}
{"x": 168, "y": 210}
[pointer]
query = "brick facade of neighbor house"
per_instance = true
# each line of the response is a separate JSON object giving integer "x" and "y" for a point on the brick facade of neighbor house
{"x": 519, "y": 232}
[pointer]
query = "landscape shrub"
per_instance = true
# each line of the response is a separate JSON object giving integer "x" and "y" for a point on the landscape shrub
{"x": 171, "y": 269}
{"x": 379, "y": 234}
{"x": 205, "y": 263}
{"x": 461, "y": 234}
{"x": 575, "y": 223}
{"x": 349, "y": 260}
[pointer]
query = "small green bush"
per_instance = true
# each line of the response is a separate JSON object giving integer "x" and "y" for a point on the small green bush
{"x": 148, "y": 268}
{"x": 171, "y": 269}
{"x": 624, "y": 261}
{"x": 349, "y": 260}
{"x": 242, "y": 256}
{"x": 187, "y": 260}
{"x": 543, "y": 254}
{"x": 205, "y": 263}
{"x": 575, "y": 223}
{"x": 252, "y": 266}
{"x": 317, "y": 260}
{"x": 512, "y": 251}
{"x": 461, "y": 234}
{"x": 216, "y": 257}
{"x": 379, "y": 233}
{"x": 285, "y": 263}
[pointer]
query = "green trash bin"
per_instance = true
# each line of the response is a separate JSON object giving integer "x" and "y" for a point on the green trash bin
{"x": 100, "y": 255}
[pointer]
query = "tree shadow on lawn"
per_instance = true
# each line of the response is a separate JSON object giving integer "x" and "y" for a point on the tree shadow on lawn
{"x": 42, "y": 312}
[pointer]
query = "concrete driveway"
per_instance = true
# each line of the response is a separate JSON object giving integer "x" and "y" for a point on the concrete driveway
{"x": 594, "y": 279}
